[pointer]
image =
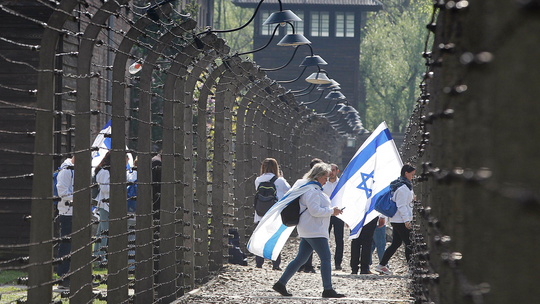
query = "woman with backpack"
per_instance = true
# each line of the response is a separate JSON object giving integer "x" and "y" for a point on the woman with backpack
{"x": 403, "y": 195}
{"x": 269, "y": 174}
{"x": 316, "y": 209}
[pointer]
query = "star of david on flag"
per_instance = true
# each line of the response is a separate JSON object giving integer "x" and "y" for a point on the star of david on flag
{"x": 372, "y": 168}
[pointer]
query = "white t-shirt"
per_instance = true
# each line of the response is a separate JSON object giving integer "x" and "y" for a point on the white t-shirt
{"x": 329, "y": 187}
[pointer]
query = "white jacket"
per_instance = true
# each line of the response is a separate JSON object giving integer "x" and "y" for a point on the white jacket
{"x": 403, "y": 198}
{"x": 281, "y": 188}
{"x": 314, "y": 222}
{"x": 103, "y": 178}
{"x": 64, "y": 186}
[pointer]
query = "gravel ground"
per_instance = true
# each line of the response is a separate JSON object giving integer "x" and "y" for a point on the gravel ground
{"x": 248, "y": 284}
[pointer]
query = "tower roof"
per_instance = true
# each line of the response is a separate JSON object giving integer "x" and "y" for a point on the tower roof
{"x": 367, "y": 4}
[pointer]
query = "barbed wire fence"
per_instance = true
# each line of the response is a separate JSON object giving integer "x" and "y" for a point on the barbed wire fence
{"x": 462, "y": 137}
{"x": 219, "y": 116}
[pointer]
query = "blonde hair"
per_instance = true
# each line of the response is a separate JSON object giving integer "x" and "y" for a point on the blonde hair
{"x": 317, "y": 171}
{"x": 270, "y": 165}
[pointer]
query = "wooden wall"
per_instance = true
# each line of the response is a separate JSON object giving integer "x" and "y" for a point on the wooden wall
{"x": 15, "y": 121}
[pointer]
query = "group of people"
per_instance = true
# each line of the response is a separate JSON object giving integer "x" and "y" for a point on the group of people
{"x": 315, "y": 225}
{"x": 64, "y": 186}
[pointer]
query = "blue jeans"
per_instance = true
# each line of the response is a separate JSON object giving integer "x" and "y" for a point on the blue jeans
{"x": 103, "y": 225}
{"x": 307, "y": 245}
{"x": 65, "y": 247}
{"x": 379, "y": 242}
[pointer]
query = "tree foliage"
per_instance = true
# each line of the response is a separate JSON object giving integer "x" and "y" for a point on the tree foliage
{"x": 229, "y": 16}
{"x": 391, "y": 61}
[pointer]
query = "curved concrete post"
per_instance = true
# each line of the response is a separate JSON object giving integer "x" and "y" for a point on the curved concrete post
{"x": 252, "y": 149}
{"x": 231, "y": 82}
{"x": 201, "y": 229}
{"x": 242, "y": 172}
{"x": 182, "y": 125}
{"x": 117, "y": 253}
{"x": 144, "y": 282}
{"x": 41, "y": 227}
{"x": 171, "y": 202}
{"x": 166, "y": 272}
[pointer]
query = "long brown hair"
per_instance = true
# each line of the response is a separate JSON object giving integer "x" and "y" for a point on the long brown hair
{"x": 270, "y": 165}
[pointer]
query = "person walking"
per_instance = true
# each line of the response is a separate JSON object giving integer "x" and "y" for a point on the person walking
{"x": 361, "y": 248}
{"x": 312, "y": 228}
{"x": 269, "y": 170}
{"x": 103, "y": 178}
{"x": 64, "y": 186}
{"x": 308, "y": 265}
{"x": 403, "y": 195}
{"x": 335, "y": 222}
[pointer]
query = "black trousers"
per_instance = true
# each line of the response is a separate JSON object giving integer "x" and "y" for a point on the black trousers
{"x": 361, "y": 247}
{"x": 338, "y": 235}
{"x": 260, "y": 261}
{"x": 400, "y": 235}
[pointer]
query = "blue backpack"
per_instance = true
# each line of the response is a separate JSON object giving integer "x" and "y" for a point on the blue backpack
{"x": 55, "y": 181}
{"x": 384, "y": 203}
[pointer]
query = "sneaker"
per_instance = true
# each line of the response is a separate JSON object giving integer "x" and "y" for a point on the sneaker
{"x": 276, "y": 268}
{"x": 330, "y": 293}
{"x": 281, "y": 289}
{"x": 311, "y": 270}
{"x": 382, "y": 269}
{"x": 338, "y": 267}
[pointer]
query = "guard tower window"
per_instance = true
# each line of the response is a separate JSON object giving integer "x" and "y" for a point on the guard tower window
{"x": 344, "y": 24}
{"x": 266, "y": 30}
{"x": 298, "y": 25}
{"x": 320, "y": 24}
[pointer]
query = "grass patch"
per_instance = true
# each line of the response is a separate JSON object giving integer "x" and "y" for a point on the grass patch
{"x": 11, "y": 276}
{"x": 10, "y": 294}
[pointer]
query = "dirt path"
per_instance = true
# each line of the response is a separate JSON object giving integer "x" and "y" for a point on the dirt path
{"x": 248, "y": 284}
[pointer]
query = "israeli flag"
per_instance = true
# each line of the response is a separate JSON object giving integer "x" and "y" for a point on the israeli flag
{"x": 270, "y": 235}
{"x": 103, "y": 142}
{"x": 370, "y": 171}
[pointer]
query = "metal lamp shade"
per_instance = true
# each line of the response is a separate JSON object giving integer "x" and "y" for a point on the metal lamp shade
{"x": 312, "y": 61}
{"x": 282, "y": 16}
{"x": 334, "y": 85}
{"x": 318, "y": 78}
{"x": 293, "y": 40}
{"x": 335, "y": 94}
{"x": 345, "y": 109}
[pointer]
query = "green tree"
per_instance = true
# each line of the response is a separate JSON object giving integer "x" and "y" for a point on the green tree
{"x": 229, "y": 16}
{"x": 391, "y": 61}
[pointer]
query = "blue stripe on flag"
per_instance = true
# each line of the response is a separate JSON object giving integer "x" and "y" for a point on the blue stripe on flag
{"x": 108, "y": 124}
{"x": 371, "y": 207}
{"x": 362, "y": 157}
{"x": 107, "y": 142}
{"x": 271, "y": 243}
